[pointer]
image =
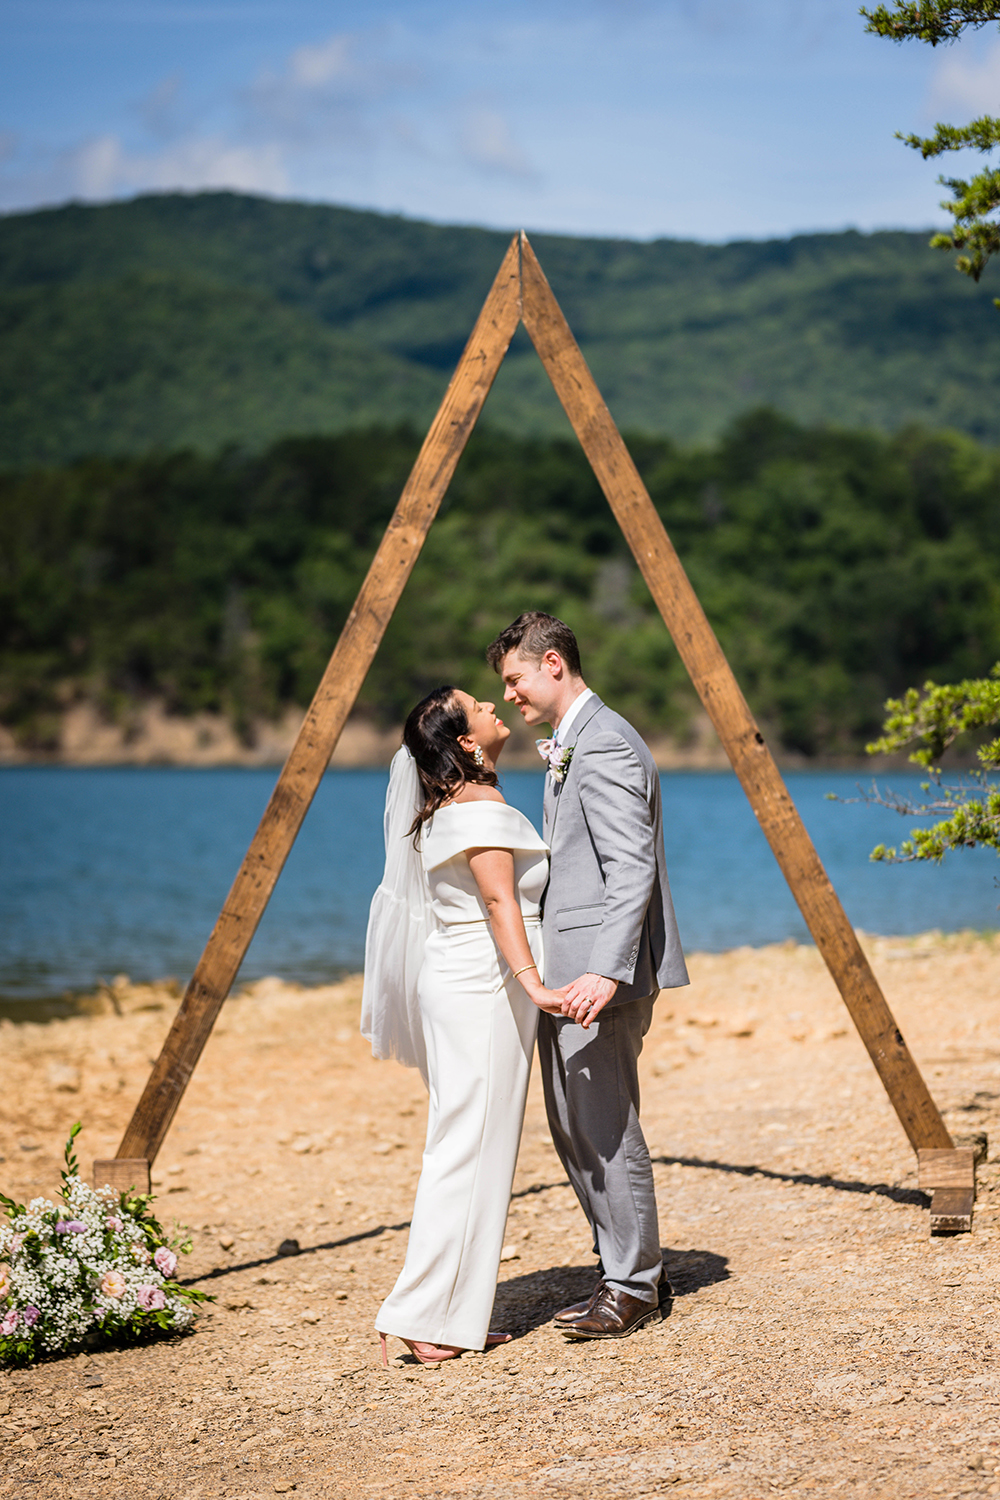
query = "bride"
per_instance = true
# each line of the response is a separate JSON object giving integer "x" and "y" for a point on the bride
{"x": 452, "y": 987}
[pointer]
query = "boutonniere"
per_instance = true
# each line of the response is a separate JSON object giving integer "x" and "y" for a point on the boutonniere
{"x": 555, "y": 757}
{"x": 559, "y": 763}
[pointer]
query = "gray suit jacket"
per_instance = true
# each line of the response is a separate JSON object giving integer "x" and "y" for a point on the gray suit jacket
{"x": 607, "y": 907}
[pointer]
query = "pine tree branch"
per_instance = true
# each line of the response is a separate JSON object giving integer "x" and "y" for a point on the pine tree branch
{"x": 932, "y": 21}
{"x": 982, "y": 134}
{"x": 972, "y": 200}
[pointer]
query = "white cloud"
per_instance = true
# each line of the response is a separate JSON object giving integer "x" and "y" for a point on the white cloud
{"x": 311, "y": 99}
{"x": 487, "y": 142}
{"x": 158, "y": 108}
{"x": 324, "y": 100}
{"x": 326, "y": 62}
{"x": 103, "y": 168}
{"x": 95, "y": 169}
{"x": 327, "y": 90}
{"x": 212, "y": 162}
{"x": 966, "y": 82}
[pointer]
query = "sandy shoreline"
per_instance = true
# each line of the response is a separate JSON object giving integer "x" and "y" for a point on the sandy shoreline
{"x": 148, "y": 735}
{"x": 820, "y": 1343}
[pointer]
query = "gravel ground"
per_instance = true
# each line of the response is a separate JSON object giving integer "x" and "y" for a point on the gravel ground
{"x": 820, "y": 1343}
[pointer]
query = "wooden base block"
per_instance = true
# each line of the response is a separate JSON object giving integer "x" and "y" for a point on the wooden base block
{"x": 950, "y": 1178}
{"x": 951, "y": 1210}
{"x": 123, "y": 1174}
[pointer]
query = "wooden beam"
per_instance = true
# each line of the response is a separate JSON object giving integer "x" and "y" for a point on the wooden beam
{"x": 726, "y": 706}
{"x": 122, "y": 1174}
{"x": 335, "y": 696}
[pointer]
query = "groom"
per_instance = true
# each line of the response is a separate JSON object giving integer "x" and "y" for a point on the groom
{"x": 611, "y": 944}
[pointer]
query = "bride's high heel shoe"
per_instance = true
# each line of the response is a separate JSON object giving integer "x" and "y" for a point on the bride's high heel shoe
{"x": 435, "y": 1354}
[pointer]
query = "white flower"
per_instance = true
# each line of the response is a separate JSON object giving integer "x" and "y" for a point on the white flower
{"x": 559, "y": 763}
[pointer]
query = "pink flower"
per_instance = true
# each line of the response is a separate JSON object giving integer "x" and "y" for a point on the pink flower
{"x": 113, "y": 1223}
{"x": 150, "y": 1298}
{"x": 140, "y": 1254}
{"x": 70, "y": 1226}
{"x": 31, "y": 1316}
{"x": 165, "y": 1261}
{"x": 10, "y": 1322}
{"x": 17, "y": 1240}
{"x": 112, "y": 1283}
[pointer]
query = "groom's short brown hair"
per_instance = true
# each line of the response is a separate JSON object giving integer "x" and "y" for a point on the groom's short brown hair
{"x": 531, "y": 635}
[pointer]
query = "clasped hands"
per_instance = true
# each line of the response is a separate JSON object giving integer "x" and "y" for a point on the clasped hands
{"x": 582, "y": 1001}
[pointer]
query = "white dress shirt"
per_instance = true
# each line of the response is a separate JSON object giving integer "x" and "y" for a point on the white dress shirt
{"x": 567, "y": 720}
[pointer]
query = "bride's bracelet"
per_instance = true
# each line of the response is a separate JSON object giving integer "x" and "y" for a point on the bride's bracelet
{"x": 524, "y": 970}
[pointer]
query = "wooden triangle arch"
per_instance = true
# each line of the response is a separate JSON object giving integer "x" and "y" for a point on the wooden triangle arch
{"x": 521, "y": 292}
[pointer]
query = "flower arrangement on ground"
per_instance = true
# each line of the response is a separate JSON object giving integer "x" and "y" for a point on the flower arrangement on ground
{"x": 97, "y": 1269}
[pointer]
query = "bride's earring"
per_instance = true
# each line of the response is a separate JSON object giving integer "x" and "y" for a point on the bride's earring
{"x": 478, "y": 756}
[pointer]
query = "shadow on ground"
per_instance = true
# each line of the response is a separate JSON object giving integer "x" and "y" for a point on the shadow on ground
{"x": 805, "y": 1179}
{"x": 526, "y": 1302}
{"x": 565, "y": 1284}
{"x": 690, "y": 1270}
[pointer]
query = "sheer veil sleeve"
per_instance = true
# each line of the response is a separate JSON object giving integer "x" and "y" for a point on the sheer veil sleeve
{"x": 399, "y": 924}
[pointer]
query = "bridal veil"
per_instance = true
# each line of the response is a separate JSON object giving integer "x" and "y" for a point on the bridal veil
{"x": 400, "y": 922}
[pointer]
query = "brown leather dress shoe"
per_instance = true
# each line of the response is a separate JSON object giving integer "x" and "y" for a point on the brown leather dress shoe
{"x": 612, "y": 1315}
{"x": 570, "y": 1314}
{"x": 664, "y": 1296}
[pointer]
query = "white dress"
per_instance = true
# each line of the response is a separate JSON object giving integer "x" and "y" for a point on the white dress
{"x": 479, "y": 1029}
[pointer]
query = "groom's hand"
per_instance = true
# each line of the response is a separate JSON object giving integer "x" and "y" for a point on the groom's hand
{"x": 586, "y": 997}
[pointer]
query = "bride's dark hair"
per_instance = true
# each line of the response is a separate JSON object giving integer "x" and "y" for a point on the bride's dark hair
{"x": 443, "y": 766}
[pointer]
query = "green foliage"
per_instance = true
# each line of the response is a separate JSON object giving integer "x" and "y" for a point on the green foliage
{"x": 972, "y": 817}
{"x": 983, "y": 134}
{"x": 837, "y": 567}
{"x": 195, "y": 321}
{"x": 71, "y": 1167}
{"x": 937, "y": 716}
{"x": 973, "y": 200}
{"x": 154, "y": 360}
{"x": 931, "y": 21}
{"x": 934, "y": 719}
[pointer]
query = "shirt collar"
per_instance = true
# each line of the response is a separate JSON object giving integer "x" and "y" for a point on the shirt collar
{"x": 566, "y": 722}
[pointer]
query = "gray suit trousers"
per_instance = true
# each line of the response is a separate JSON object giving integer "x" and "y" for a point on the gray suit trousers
{"x": 591, "y": 1083}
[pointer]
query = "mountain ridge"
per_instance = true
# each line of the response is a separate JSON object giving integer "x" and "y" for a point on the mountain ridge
{"x": 200, "y": 320}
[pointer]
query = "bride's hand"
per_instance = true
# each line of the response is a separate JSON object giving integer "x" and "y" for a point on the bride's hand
{"x": 536, "y": 991}
{"x": 547, "y": 1000}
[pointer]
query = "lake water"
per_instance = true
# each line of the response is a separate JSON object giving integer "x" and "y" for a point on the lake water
{"x": 108, "y": 871}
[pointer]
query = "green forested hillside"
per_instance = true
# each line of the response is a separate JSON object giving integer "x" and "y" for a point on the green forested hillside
{"x": 837, "y": 568}
{"x": 218, "y": 318}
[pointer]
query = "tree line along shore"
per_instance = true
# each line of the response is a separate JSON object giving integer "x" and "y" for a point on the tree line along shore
{"x": 838, "y": 568}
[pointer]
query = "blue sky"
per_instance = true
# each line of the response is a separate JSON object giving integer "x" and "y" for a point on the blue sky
{"x": 712, "y": 119}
